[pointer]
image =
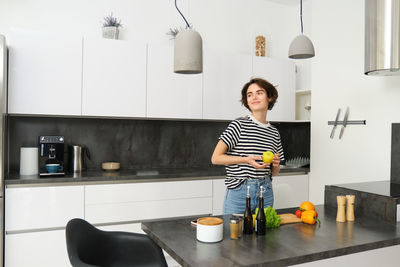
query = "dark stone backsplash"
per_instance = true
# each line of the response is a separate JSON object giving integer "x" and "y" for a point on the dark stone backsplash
{"x": 140, "y": 144}
{"x": 295, "y": 138}
{"x": 395, "y": 154}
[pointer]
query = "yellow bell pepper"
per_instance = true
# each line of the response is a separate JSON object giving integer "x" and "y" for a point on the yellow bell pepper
{"x": 309, "y": 217}
{"x": 306, "y": 205}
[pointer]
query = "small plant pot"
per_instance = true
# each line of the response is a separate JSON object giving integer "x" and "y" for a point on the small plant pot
{"x": 110, "y": 32}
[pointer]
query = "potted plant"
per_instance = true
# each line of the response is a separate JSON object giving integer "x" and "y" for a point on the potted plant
{"x": 110, "y": 27}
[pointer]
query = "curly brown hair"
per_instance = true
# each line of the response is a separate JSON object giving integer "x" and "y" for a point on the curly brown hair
{"x": 264, "y": 84}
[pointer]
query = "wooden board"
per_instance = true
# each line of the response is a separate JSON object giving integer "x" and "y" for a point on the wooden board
{"x": 289, "y": 218}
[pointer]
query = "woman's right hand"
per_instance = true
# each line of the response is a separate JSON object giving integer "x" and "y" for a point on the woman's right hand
{"x": 252, "y": 161}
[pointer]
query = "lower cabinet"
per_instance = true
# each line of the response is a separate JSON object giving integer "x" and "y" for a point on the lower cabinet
{"x": 219, "y": 190}
{"x": 116, "y": 203}
{"x": 35, "y": 217}
{"x": 387, "y": 256}
{"x": 41, "y": 207}
{"x": 289, "y": 191}
{"x": 35, "y": 220}
{"x": 36, "y": 249}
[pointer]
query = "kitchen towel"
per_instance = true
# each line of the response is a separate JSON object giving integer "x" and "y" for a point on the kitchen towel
{"x": 28, "y": 161}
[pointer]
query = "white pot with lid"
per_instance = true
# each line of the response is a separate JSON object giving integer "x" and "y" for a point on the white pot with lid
{"x": 210, "y": 229}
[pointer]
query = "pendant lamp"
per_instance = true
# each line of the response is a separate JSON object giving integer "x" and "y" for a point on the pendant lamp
{"x": 188, "y": 50}
{"x": 301, "y": 47}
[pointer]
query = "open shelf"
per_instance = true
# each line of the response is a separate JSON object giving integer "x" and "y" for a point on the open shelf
{"x": 303, "y": 92}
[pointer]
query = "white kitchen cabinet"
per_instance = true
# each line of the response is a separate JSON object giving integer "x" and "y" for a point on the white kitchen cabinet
{"x": 126, "y": 227}
{"x": 219, "y": 190}
{"x": 114, "y": 78}
{"x": 36, "y": 249}
{"x": 113, "y": 203}
{"x": 290, "y": 191}
{"x": 281, "y": 73}
{"x": 171, "y": 95}
{"x": 386, "y": 256}
{"x": 224, "y": 76}
{"x": 34, "y": 222}
{"x": 44, "y": 73}
{"x": 42, "y": 207}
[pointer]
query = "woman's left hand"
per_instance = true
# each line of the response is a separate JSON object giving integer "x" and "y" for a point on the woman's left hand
{"x": 276, "y": 160}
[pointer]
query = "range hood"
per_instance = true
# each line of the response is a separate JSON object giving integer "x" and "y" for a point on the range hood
{"x": 382, "y": 37}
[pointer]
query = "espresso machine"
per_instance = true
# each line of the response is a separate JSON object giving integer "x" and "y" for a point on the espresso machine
{"x": 51, "y": 155}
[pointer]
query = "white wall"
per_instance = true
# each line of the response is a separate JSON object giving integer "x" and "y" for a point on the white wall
{"x": 337, "y": 81}
{"x": 228, "y": 24}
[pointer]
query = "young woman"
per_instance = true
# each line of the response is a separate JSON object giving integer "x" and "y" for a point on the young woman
{"x": 241, "y": 146}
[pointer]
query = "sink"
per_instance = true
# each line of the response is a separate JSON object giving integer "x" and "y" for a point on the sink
{"x": 147, "y": 172}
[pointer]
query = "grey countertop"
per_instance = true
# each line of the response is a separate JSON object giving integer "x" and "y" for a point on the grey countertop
{"x": 287, "y": 245}
{"x": 131, "y": 176}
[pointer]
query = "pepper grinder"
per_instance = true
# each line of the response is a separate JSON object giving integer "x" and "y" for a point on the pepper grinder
{"x": 341, "y": 215}
{"x": 350, "y": 207}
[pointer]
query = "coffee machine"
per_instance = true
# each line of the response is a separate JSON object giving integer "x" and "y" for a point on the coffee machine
{"x": 51, "y": 155}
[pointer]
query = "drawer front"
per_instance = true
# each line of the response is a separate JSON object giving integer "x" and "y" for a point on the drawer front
{"x": 128, "y": 227}
{"x": 290, "y": 191}
{"x": 42, "y": 207}
{"x": 46, "y": 248}
{"x": 144, "y": 210}
{"x": 121, "y": 193}
{"x": 219, "y": 190}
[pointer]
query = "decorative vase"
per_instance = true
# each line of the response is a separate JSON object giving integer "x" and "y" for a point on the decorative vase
{"x": 110, "y": 32}
{"x": 260, "y": 46}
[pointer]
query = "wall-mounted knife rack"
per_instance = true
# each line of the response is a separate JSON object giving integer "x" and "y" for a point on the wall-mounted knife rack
{"x": 343, "y": 123}
{"x": 360, "y": 122}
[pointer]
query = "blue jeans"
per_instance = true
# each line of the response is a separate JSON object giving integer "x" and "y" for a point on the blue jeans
{"x": 235, "y": 199}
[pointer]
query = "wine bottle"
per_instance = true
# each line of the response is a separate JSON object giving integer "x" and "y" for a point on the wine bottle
{"x": 260, "y": 218}
{"x": 248, "y": 217}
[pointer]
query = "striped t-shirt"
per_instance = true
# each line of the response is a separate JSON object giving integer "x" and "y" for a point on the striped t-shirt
{"x": 245, "y": 137}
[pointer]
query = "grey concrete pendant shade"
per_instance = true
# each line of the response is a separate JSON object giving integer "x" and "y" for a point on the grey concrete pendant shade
{"x": 188, "y": 52}
{"x": 301, "y": 47}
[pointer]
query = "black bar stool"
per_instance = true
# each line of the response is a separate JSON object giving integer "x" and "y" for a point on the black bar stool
{"x": 89, "y": 246}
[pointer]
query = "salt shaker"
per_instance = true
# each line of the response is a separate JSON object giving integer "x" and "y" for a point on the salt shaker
{"x": 350, "y": 208}
{"x": 234, "y": 228}
{"x": 341, "y": 202}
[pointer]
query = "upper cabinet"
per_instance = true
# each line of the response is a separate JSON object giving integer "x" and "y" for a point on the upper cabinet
{"x": 281, "y": 73}
{"x": 114, "y": 78}
{"x": 171, "y": 95}
{"x": 224, "y": 76}
{"x": 53, "y": 75}
{"x": 44, "y": 74}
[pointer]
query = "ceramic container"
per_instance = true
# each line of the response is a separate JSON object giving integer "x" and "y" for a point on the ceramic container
{"x": 29, "y": 161}
{"x": 110, "y": 166}
{"x": 210, "y": 229}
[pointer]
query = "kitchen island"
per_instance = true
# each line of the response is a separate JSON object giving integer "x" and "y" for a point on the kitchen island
{"x": 287, "y": 245}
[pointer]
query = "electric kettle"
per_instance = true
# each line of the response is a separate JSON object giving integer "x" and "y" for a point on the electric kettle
{"x": 77, "y": 155}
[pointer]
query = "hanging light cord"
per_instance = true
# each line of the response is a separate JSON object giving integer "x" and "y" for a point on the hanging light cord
{"x": 187, "y": 24}
{"x": 301, "y": 15}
